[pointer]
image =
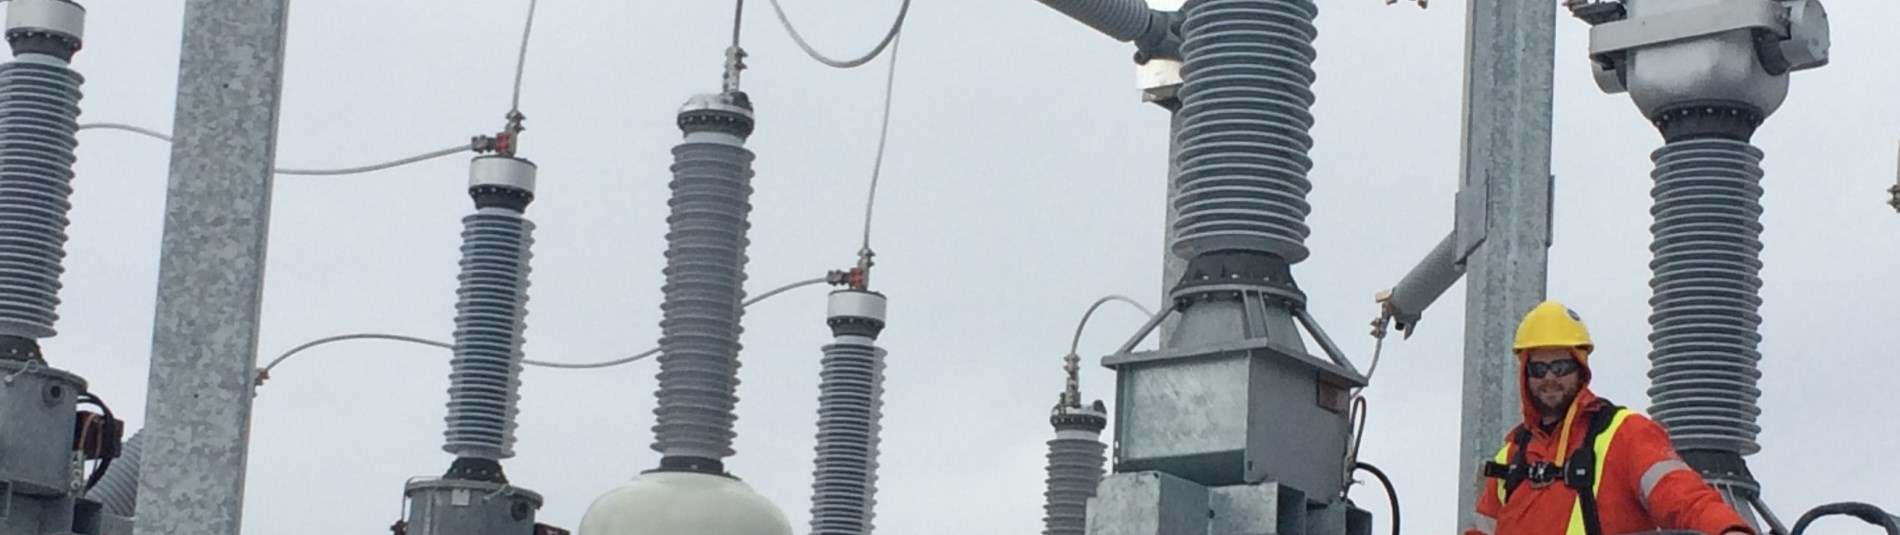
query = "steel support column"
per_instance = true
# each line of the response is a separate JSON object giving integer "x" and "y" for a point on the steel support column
{"x": 211, "y": 273}
{"x": 1504, "y": 205}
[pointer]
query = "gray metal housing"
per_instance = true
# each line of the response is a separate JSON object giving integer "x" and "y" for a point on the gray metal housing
{"x": 458, "y": 507}
{"x": 39, "y": 406}
{"x": 1156, "y": 503}
{"x": 1242, "y": 412}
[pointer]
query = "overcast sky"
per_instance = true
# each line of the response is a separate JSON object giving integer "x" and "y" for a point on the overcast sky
{"x": 1024, "y": 180}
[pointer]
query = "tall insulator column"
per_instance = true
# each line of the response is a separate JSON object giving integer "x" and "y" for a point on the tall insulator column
{"x": 691, "y": 493}
{"x": 1705, "y": 284}
{"x": 39, "y": 120}
{"x": 1246, "y": 97}
{"x": 39, "y": 115}
{"x": 850, "y": 403}
{"x": 485, "y": 374}
{"x": 705, "y": 277}
{"x": 1076, "y": 458}
{"x": 1707, "y": 89}
{"x": 490, "y": 317}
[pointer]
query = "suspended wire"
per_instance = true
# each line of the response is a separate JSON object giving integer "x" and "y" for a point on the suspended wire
{"x": 1077, "y": 341}
{"x": 1378, "y": 347}
{"x": 127, "y": 128}
{"x": 738, "y": 20}
{"x": 264, "y": 373}
{"x": 464, "y": 147}
{"x": 883, "y": 135}
{"x": 896, "y": 26}
{"x": 1391, "y": 493}
{"x": 521, "y": 61}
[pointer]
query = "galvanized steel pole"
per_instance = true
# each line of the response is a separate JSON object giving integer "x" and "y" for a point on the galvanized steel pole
{"x": 211, "y": 274}
{"x": 1504, "y": 212}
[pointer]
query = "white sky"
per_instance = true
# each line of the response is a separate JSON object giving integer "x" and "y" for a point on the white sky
{"x": 1024, "y": 180}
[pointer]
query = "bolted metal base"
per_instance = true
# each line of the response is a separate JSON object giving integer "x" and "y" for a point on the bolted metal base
{"x": 459, "y": 507}
{"x": 39, "y": 405}
{"x": 1155, "y": 503}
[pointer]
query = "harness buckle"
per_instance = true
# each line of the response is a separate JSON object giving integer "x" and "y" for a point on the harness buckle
{"x": 1542, "y": 474}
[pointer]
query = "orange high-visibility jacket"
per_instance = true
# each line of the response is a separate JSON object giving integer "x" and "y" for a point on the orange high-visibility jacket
{"x": 1642, "y": 484}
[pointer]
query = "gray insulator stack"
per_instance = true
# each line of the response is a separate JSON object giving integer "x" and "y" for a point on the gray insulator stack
{"x": 705, "y": 277}
{"x": 1076, "y": 457}
{"x": 1246, "y": 98}
{"x": 39, "y": 117}
{"x": 1126, "y": 21}
{"x": 1706, "y": 293}
{"x": 486, "y": 370}
{"x": 850, "y": 404}
{"x": 118, "y": 490}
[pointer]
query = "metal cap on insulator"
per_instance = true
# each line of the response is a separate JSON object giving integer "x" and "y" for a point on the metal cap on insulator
{"x": 497, "y": 181}
{"x": 726, "y": 113}
{"x": 855, "y": 312}
{"x": 1091, "y": 419}
{"x": 47, "y": 27}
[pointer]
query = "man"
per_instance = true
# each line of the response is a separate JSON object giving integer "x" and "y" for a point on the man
{"x": 1634, "y": 478}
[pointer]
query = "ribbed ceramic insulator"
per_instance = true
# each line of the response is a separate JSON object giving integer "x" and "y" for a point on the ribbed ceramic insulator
{"x": 1706, "y": 288}
{"x": 1245, "y": 105}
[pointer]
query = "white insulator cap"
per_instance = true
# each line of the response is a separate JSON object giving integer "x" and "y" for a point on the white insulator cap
{"x": 505, "y": 171}
{"x": 856, "y": 304}
{"x": 684, "y": 503}
{"x": 55, "y": 16}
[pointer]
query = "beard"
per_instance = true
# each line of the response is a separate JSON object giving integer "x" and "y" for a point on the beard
{"x": 1552, "y": 401}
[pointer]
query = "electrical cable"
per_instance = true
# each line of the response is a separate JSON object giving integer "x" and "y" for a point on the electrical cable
{"x": 1391, "y": 493}
{"x": 1866, "y": 512}
{"x": 1357, "y": 420}
{"x": 889, "y": 37}
{"x": 883, "y": 135}
{"x": 1378, "y": 347}
{"x": 1076, "y": 342}
{"x": 738, "y": 21}
{"x": 264, "y": 373}
{"x": 464, "y": 147}
{"x": 105, "y": 460}
{"x": 521, "y": 61}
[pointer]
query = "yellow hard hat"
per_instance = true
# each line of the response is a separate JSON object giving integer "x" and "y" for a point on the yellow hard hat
{"x": 1551, "y": 324}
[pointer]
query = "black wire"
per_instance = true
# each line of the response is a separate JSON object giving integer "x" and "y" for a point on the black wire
{"x": 1866, "y": 512}
{"x": 738, "y": 20}
{"x": 108, "y": 442}
{"x": 1391, "y": 494}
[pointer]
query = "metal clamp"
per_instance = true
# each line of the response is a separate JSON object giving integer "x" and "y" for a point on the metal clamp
{"x": 1791, "y": 35}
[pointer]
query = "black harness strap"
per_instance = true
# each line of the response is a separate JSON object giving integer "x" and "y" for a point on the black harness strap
{"x": 1583, "y": 476}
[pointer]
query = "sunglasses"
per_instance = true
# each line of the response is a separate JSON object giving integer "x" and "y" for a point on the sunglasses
{"x": 1561, "y": 368}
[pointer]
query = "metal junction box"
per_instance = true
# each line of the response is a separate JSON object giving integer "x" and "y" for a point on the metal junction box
{"x": 1235, "y": 413}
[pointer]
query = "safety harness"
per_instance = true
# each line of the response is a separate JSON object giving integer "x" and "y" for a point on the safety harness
{"x": 1582, "y": 472}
